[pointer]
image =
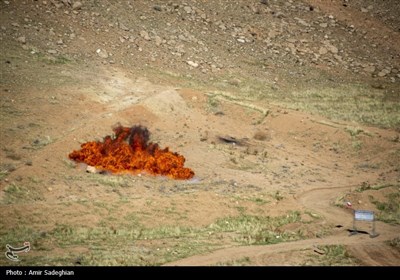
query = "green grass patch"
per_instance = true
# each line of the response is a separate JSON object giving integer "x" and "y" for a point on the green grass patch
{"x": 15, "y": 193}
{"x": 344, "y": 101}
{"x": 3, "y": 174}
{"x": 52, "y": 59}
{"x": 212, "y": 103}
{"x": 114, "y": 181}
{"x": 366, "y": 186}
{"x": 249, "y": 230}
{"x": 389, "y": 211}
{"x": 354, "y": 131}
{"x": 131, "y": 243}
{"x": 258, "y": 200}
{"x": 349, "y": 102}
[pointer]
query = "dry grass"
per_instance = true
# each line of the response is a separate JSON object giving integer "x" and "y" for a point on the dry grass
{"x": 134, "y": 244}
{"x": 332, "y": 255}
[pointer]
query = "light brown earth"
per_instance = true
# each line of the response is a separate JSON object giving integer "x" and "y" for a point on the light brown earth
{"x": 313, "y": 131}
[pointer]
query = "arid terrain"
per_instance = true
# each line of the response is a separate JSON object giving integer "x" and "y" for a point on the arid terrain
{"x": 288, "y": 112}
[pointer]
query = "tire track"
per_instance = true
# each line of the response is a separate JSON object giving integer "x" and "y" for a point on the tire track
{"x": 318, "y": 200}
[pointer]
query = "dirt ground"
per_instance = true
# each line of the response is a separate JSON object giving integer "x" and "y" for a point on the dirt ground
{"x": 287, "y": 111}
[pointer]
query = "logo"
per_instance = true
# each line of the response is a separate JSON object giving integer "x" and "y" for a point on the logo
{"x": 12, "y": 251}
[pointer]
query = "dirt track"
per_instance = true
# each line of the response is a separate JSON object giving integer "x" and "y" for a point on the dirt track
{"x": 320, "y": 201}
{"x": 308, "y": 91}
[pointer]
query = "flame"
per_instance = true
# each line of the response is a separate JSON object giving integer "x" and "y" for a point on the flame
{"x": 130, "y": 151}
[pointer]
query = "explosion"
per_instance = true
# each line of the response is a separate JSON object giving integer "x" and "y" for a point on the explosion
{"x": 130, "y": 151}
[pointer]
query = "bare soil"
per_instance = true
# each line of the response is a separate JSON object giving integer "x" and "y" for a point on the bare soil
{"x": 289, "y": 151}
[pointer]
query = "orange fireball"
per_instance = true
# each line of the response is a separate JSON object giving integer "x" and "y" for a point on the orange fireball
{"x": 130, "y": 151}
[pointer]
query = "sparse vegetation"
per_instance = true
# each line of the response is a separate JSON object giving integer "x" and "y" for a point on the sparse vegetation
{"x": 389, "y": 211}
{"x": 11, "y": 154}
{"x": 111, "y": 181}
{"x": 363, "y": 107}
{"x": 257, "y": 230}
{"x": 357, "y": 145}
{"x": 277, "y": 196}
{"x": 212, "y": 104}
{"x": 158, "y": 244}
{"x": 3, "y": 174}
{"x": 41, "y": 142}
{"x": 51, "y": 59}
{"x": 354, "y": 131}
{"x": 15, "y": 193}
{"x": 69, "y": 163}
{"x": 18, "y": 193}
{"x": 192, "y": 72}
{"x": 366, "y": 186}
{"x": 332, "y": 255}
{"x": 395, "y": 243}
{"x": 6, "y": 169}
{"x": 258, "y": 200}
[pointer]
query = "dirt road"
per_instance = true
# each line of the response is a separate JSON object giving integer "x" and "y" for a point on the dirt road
{"x": 320, "y": 201}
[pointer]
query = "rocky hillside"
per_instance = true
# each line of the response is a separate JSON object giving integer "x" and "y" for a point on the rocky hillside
{"x": 252, "y": 38}
{"x": 265, "y": 48}
{"x": 286, "y": 111}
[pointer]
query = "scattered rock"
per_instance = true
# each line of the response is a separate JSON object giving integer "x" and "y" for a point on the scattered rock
{"x": 384, "y": 72}
{"x": 188, "y": 9}
{"x": 102, "y": 53}
{"x": 57, "y": 5}
{"x": 369, "y": 68}
{"x": 193, "y": 64}
{"x": 322, "y": 50}
{"x": 92, "y": 169}
{"x": 145, "y": 35}
{"x": 52, "y": 51}
{"x": 227, "y": 139}
{"x": 157, "y": 8}
{"x": 332, "y": 49}
{"x": 22, "y": 39}
{"x": 235, "y": 82}
{"x": 378, "y": 86}
{"x": 204, "y": 136}
{"x": 158, "y": 40}
{"x": 77, "y": 5}
{"x": 123, "y": 26}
